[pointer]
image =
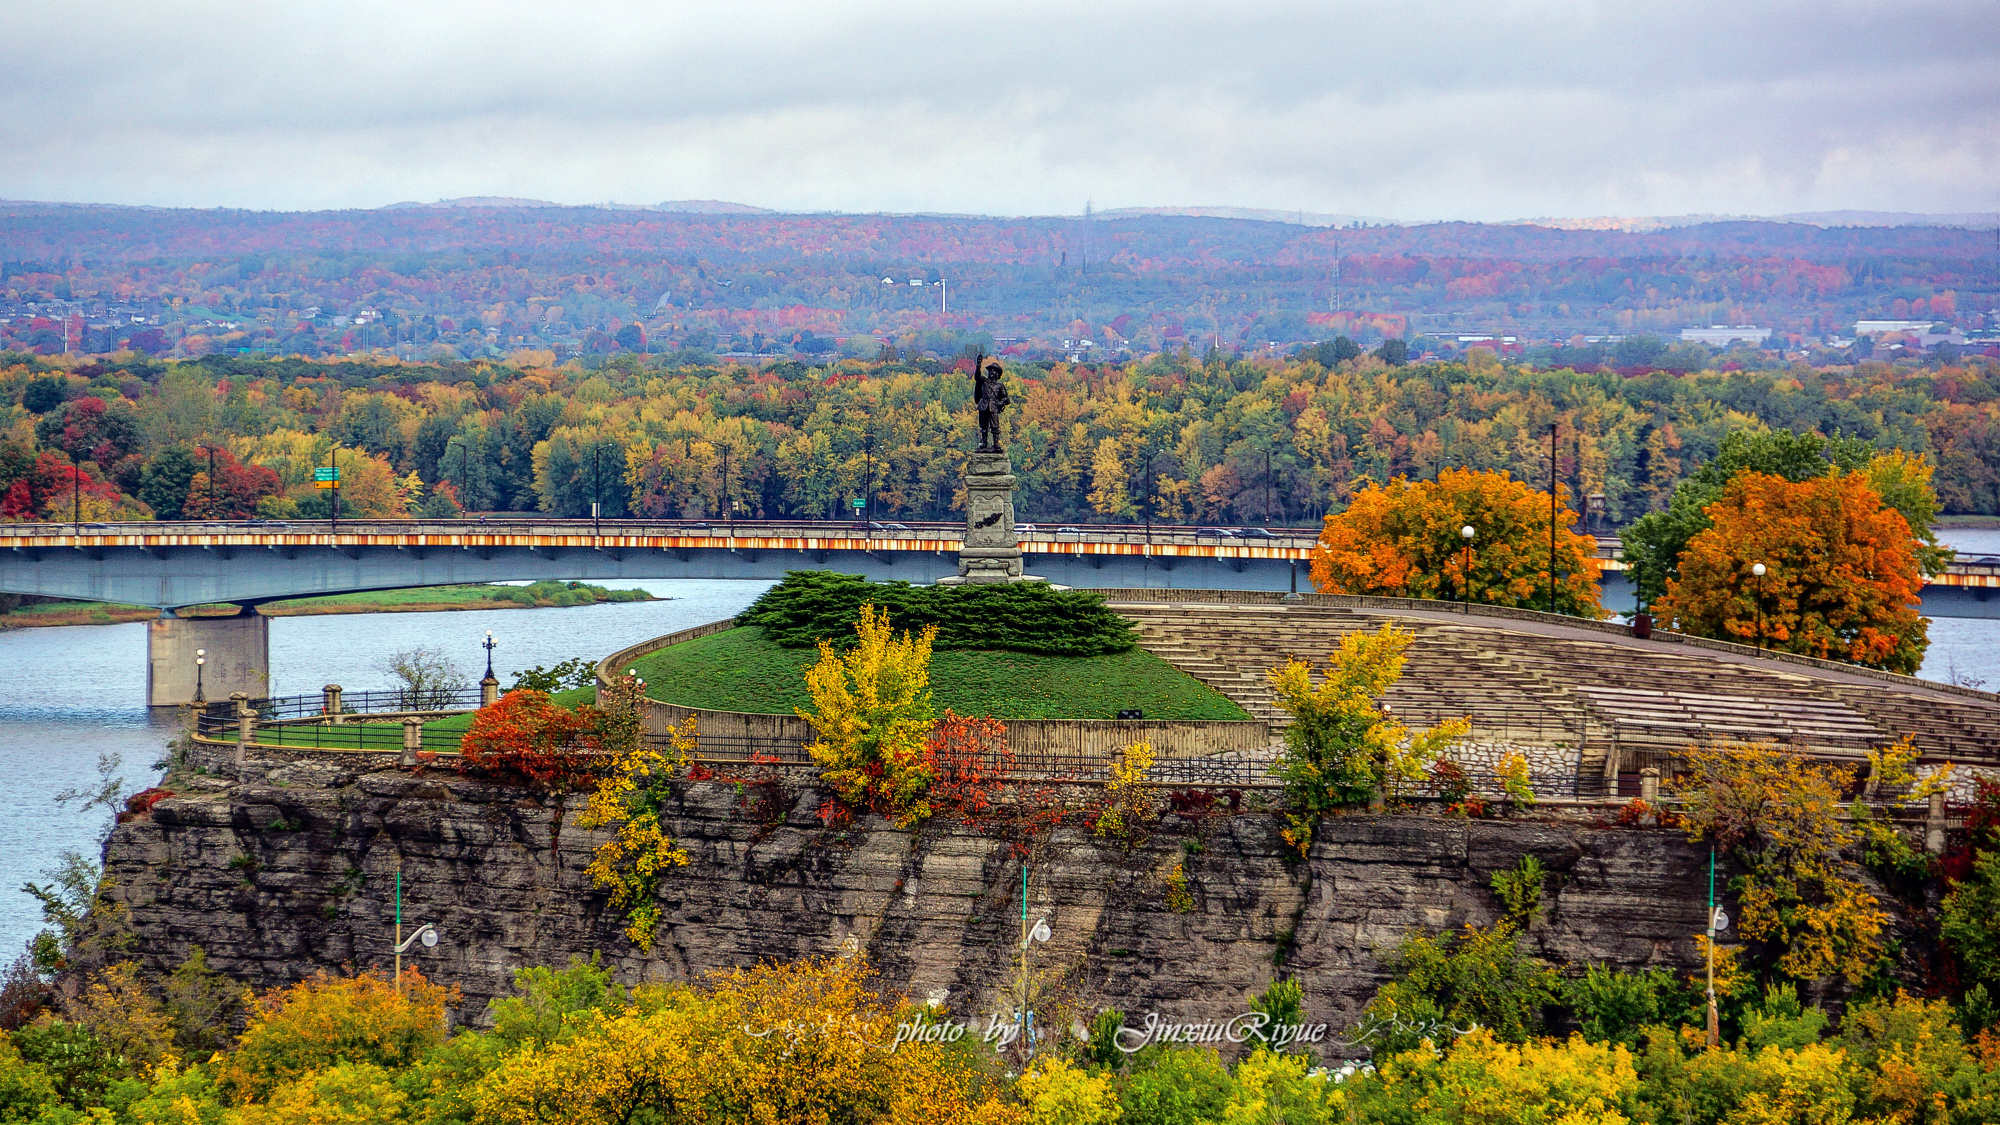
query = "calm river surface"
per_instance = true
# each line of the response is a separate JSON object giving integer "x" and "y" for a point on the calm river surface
{"x": 70, "y": 694}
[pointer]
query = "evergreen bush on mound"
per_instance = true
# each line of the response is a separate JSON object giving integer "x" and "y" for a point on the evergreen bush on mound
{"x": 1030, "y": 617}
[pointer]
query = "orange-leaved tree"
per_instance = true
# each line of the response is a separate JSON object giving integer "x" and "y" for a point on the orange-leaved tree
{"x": 1404, "y": 540}
{"x": 554, "y": 749}
{"x": 966, "y": 759}
{"x": 1841, "y": 574}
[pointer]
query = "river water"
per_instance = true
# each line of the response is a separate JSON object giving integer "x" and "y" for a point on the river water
{"x": 69, "y": 694}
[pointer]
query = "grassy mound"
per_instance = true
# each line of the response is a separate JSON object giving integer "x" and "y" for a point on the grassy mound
{"x": 1019, "y": 617}
{"x": 745, "y": 670}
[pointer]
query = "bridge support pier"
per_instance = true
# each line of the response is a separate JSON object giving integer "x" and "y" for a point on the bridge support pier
{"x": 239, "y": 657}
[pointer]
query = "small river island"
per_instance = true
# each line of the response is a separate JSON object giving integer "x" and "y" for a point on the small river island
{"x": 22, "y": 612}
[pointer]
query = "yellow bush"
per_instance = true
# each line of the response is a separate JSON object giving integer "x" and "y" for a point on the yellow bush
{"x": 1125, "y": 802}
{"x": 802, "y": 1043}
{"x": 633, "y": 796}
{"x": 324, "y": 1021}
{"x": 872, "y": 707}
{"x": 1058, "y": 1093}
{"x": 345, "y": 1094}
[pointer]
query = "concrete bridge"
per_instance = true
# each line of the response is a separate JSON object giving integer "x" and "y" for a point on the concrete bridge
{"x": 181, "y": 564}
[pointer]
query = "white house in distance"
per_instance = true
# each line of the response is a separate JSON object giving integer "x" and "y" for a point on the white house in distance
{"x": 1723, "y": 335}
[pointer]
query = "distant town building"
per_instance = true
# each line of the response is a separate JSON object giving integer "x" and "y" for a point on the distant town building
{"x": 1723, "y": 335}
{"x": 1928, "y": 333}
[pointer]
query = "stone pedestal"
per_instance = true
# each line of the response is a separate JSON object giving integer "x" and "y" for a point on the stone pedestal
{"x": 991, "y": 554}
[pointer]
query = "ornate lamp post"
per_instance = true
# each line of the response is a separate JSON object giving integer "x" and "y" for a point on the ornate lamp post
{"x": 489, "y": 688}
{"x": 1465, "y": 574}
{"x": 200, "y": 658}
{"x": 1757, "y": 571}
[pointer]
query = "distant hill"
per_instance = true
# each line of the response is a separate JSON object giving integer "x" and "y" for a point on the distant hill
{"x": 711, "y": 207}
{"x": 473, "y": 201}
{"x": 1258, "y": 214}
{"x": 1640, "y": 224}
{"x": 544, "y": 275}
{"x": 678, "y": 206}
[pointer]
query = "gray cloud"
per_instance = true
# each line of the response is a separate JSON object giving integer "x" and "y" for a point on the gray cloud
{"x": 1454, "y": 109}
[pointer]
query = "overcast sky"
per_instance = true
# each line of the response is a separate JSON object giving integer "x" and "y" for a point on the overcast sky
{"x": 1466, "y": 109}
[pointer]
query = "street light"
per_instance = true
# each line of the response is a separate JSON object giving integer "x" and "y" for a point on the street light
{"x": 1757, "y": 571}
{"x": 1465, "y": 572}
{"x": 200, "y": 658}
{"x": 1552, "y": 517}
{"x": 425, "y": 933}
{"x": 462, "y": 453}
{"x": 489, "y": 646}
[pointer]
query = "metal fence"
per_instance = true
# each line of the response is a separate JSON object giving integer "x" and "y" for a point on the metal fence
{"x": 294, "y": 707}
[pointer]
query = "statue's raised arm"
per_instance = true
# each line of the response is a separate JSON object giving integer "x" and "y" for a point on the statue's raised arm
{"x": 989, "y": 394}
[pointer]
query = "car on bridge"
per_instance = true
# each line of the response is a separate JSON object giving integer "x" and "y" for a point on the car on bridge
{"x": 1254, "y": 533}
{"x": 1215, "y": 533}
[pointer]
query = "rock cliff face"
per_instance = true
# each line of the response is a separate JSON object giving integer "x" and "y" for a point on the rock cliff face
{"x": 292, "y": 870}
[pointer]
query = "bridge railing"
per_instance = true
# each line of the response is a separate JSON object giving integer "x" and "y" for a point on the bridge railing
{"x": 542, "y": 525}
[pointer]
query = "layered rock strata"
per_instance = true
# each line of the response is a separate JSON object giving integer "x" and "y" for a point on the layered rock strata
{"x": 291, "y": 870}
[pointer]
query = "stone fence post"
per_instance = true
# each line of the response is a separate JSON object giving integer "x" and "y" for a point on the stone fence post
{"x": 413, "y": 741}
{"x": 246, "y": 723}
{"x": 329, "y": 704}
{"x": 489, "y": 691}
{"x": 1934, "y": 825}
{"x": 1649, "y": 785}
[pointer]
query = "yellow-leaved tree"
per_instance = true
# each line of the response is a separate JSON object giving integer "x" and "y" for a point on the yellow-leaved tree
{"x": 1777, "y": 814}
{"x": 872, "y": 713}
{"x": 324, "y": 1021}
{"x": 634, "y": 797}
{"x": 1341, "y": 749}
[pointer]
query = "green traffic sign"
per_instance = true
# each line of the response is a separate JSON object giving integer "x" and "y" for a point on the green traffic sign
{"x": 324, "y": 473}
{"x": 859, "y": 503}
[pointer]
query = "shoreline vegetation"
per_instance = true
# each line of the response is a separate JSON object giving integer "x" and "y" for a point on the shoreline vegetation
{"x": 432, "y": 599}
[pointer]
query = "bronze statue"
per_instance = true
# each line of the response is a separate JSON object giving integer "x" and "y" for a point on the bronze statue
{"x": 990, "y": 395}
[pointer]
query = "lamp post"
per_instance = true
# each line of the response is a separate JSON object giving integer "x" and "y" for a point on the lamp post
{"x": 460, "y": 442}
{"x": 425, "y": 933}
{"x": 489, "y": 688}
{"x": 1552, "y": 517}
{"x": 1465, "y": 571}
{"x": 1757, "y": 571}
{"x": 1149, "y": 509}
{"x": 200, "y": 659}
{"x": 1717, "y": 921}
